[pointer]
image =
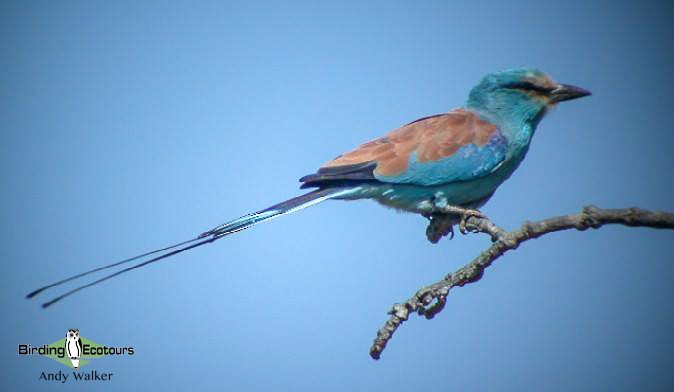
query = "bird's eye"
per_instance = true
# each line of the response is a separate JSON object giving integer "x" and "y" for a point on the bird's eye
{"x": 528, "y": 86}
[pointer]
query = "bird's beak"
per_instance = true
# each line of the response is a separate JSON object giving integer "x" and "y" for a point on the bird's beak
{"x": 567, "y": 92}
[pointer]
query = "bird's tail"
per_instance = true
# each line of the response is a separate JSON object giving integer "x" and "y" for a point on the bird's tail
{"x": 244, "y": 222}
{"x": 287, "y": 207}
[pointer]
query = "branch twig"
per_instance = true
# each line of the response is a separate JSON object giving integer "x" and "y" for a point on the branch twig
{"x": 430, "y": 300}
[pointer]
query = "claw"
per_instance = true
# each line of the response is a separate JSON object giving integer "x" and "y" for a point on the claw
{"x": 465, "y": 215}
{"x": 450, "y": 232}
{"x": 439, "y": 226}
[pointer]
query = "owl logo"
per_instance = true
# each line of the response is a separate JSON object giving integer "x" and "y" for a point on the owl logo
{"x": 74, "y": 346}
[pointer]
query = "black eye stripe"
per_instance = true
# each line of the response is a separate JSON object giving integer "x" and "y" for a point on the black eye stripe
{"x": 529, "y": 86}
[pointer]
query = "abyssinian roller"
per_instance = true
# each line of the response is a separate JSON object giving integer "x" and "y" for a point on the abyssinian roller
{"x": 449, "y": 163}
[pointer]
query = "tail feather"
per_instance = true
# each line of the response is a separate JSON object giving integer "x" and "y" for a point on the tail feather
{"x": 289, "y": 206}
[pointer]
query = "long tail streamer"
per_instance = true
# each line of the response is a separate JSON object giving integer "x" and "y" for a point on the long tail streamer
{"x": 242, "y": 223}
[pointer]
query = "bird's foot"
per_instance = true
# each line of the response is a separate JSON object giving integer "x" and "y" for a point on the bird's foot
{"x": 465, "y": 214}
{"x": 440, "y": 225}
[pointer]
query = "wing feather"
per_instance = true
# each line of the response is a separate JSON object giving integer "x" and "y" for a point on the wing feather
{"x": 428, "y": 145}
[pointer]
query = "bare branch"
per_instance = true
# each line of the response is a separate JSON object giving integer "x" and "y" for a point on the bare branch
{"x": 430, "y": 300}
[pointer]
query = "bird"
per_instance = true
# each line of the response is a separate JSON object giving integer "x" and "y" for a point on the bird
{"x": 73, "y": 345}
{"x": 448, "y": 164}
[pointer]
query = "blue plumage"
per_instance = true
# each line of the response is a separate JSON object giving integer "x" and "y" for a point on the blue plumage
{"x": 468, "y": 163}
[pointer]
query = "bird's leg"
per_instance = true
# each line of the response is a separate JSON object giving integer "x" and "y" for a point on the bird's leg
{"x": 464, "y": 213}
{"x": 443, "y": 205}
{"x": 445, "y": 216}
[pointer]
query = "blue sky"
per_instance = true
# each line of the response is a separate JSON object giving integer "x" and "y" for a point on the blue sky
{"x": 130, "y": 126}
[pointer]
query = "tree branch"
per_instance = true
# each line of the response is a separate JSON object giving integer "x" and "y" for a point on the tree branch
{"x": 430, "y": 300}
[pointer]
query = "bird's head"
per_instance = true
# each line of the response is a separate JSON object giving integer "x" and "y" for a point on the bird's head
{"x": 521, "y": 94}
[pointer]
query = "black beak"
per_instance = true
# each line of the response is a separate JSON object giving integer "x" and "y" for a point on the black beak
{"x": 567, "y": 92}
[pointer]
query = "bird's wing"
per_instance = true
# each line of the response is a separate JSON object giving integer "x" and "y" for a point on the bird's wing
{"x": 454, "y": 146}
